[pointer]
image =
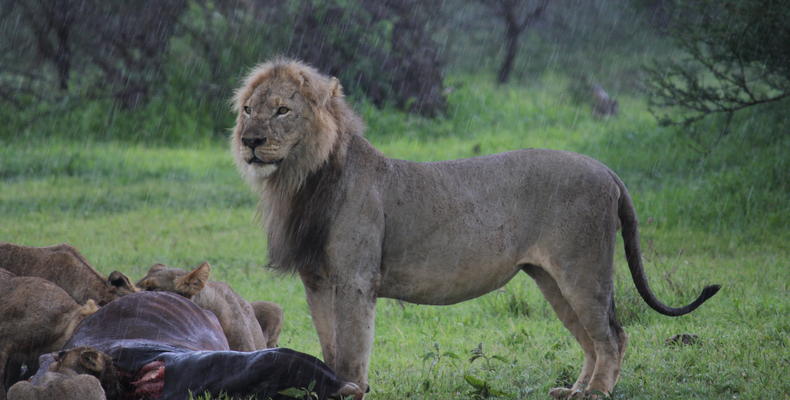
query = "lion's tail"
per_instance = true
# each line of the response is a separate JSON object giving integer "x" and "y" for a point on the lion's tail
{"x": 633, "y": 255}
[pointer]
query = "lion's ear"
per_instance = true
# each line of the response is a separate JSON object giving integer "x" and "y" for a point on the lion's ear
{"x": 317, "y": 91}
{"x": 121, "y": 281}
{"x": 335, "y": 88}
{"x": 193, "y": 282}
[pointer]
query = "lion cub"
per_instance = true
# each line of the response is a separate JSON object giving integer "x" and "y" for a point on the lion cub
{"x": 36, "y": 317}
{"x": 236, "y": 316}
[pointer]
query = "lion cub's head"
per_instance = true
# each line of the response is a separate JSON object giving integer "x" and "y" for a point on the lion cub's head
{"x": 163, "y": 278}
{"x": 82, "y": 360}
{"x": 289, "y": 120}
{"x": 89, "y": 361}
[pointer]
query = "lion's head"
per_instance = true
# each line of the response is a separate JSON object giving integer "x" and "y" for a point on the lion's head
{"x": 290, "y": 119}
{"x": 160, "y": 277}
{"x": 292, "y": 131}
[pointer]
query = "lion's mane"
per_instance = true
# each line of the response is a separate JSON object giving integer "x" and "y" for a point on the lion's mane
{"x": 296, "y": 199}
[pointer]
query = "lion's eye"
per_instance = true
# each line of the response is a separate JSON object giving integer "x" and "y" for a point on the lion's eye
{"x": 247, "y": 110}
{"x": 283, "y": 110}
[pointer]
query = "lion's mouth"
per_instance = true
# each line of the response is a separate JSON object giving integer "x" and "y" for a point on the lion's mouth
{"x": 254, "y": 160}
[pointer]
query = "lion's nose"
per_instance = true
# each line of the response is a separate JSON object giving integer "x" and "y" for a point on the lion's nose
{"x": 253, "y": 142}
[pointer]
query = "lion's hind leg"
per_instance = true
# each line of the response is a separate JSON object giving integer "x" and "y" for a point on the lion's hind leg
{"x": 594, "y": 306}
{"x": 551, "y": 291}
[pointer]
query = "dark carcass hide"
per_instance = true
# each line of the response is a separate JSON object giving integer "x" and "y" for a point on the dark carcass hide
{"x": 166, "y": 347}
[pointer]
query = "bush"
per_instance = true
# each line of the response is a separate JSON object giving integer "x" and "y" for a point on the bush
{"x": 735, "y": 56}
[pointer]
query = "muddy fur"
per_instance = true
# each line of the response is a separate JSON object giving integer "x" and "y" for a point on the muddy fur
{"x": 64, "y": 266}
{"x": 356, "y": 225}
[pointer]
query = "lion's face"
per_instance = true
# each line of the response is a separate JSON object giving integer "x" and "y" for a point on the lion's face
{"x": 163, "y": 278}
{"x": 81, "y": 360}
{"x": 160, "y": 278}
{"x": 289, "y": 118}
{"x": 271, "y": 124}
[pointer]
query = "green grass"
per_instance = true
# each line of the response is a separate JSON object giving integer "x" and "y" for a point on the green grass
{"x": 721, "y": 218}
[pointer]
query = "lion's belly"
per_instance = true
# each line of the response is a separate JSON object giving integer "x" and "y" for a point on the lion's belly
{"x": 459, "y": 229}
{"x": 451, "y": 245}
{"x": 445, "y": 278}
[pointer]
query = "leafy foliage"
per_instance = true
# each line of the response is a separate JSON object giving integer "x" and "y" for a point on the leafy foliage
{"x": 95, "y": 48}
{"x": 483, "y": 389}
{"x": 478, "y": 353}
{"x": 736, "y": 56}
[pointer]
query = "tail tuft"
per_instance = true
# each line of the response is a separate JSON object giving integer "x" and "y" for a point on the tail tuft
{"x": 709, "y": 291}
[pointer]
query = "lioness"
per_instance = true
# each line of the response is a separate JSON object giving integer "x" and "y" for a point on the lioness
{"x": 238, "y": 318}
{"x": 64, "y": 266}
{"x": 36, "y": 317}
{"x": 357, "y": 226}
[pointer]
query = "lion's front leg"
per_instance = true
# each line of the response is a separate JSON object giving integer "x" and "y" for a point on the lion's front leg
{"x": 344, "y": 288}
{"x": 355, "y": 314}
{"x": 321, "y": 302}
{"x": 344, "y": 315}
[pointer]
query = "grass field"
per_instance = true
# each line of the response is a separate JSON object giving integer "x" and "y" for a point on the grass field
{"x": 716, "y": 218}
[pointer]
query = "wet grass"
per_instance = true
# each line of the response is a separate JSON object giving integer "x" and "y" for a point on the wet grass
{"x": 717, "y": 218}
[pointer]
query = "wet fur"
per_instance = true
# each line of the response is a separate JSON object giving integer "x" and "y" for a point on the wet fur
{"x": 89, "y": 361}
{"x": 236, "y": 316}
{"x": 66, "y": 267}
{"x": 356, "y": 226}
{"x": 58, "y": 386}
{"x": 295, "y": 198}
{"x": 38, "y": 317}
{"x": 270, "y": 318}
{"x": 300, "y": 242}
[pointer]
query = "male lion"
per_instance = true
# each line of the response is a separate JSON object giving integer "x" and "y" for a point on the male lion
{"x": 357, "y": 226}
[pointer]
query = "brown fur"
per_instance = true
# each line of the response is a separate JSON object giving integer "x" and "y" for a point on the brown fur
{"x": 89, "y": 361}
{"x": 64, "y": 266}
{"x": 357, "y": 226}
{"x": 58, "y": 386}
{"x": 36, "y": 317}
{"x": 236, "y": 315}
{"x": 270, "y": 318}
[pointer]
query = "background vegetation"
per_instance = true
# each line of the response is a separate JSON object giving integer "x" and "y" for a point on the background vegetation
{"x": 128, "y": 161}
